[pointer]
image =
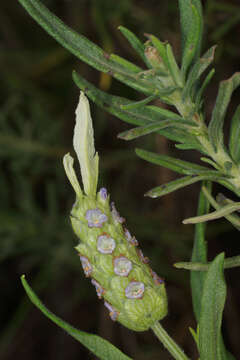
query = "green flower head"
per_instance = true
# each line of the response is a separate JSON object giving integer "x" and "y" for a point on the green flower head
{"x": 133, "y": 294}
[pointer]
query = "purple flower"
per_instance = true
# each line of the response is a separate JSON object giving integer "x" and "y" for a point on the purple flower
{"x": 116, "y": 215}
{"x": 105, "y": 244}
{"x": 122, "y": 266}
{"x": 87, "y": 267}
{"x": 127, "y": 234}
{"x": 113, "y": 313}
{"x": 100, "y": 291}
{"x": 135, "y": 290}
{"x": 103, "y": 193}
{"x": 131, "y": 239}
{"x": 144, "y": 259}
{"x": 95, "y": 218}
{"x": 157, "y": 280}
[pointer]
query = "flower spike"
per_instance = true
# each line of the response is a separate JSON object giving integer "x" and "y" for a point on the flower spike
{"x": 108, "y": 253}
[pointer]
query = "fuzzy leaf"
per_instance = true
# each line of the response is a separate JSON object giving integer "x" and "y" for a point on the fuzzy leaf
{"x": 199, "y": 67}
{"x": 98, "y": 346}
{"x": 212, "y": 305}
{"x": 173, "y": 66}
{"x": 199, "y": 254}
{"x": 191, "y": 30}
{"x": 204, "y": 85}
{"x": 139, "y": 103}
{"x": 83, "y": 143}
{"x": 134, "y": 41}
{"x": 192, "y": 40}
{"x": 215, "y": 128}
{"x": 234, "y": 141}
{"x": 83, "y": 48}
{"x": 144, "y": 130}
{"x": 221, "y": 212}
{"x": 153, "y": 127}
{"x": 178, "y": 184}
{"x": 177, "y": 165}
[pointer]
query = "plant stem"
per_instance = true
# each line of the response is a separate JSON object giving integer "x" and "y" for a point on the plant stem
{"x": 198, "y": 266}
{"x": 168, "y": 342}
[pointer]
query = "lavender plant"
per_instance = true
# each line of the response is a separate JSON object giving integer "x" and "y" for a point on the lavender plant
{"x": 133, "y": 293}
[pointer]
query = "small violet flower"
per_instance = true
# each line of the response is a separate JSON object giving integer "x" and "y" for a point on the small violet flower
{"x": 95, "y": 218}
{"x": 122, "y": 266}
{"x": 100, "y": 291}
{"x": 105, "y": 244}
{"x": 113, "y": 313}
{"x": 116, "y": 215}
{"x": 103, "y": 193}
{"x": 135, "y": 290}
{"x": 87, "y": 267}
{"x": 157, "y": 280}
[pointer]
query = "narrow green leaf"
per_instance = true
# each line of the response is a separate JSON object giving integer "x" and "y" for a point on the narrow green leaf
{"x": 190, "y": 146}
{"x": 84, "y": 49}
{"x": 180, "y": 166}
{"x": 233, "y": 218}
{"x": 173, "y": 66}
{"x": 125, "y": 63}
{"x": 178, "y": 184}
{"x": 191, "y": 29}
{"x": 199, "y": 67}
{"x": 212, "y": 305}
{"x": 199, "y": 254}
{"x": 98, "y": 346}
{"x": 223, "y": 211}
{"x": 139, "y": 103}
{"x": 229, "y": 263}
{"x": 153, "y": 127}
{"x": 134, "y": 41}
{"x": 144, "y": 130}
{"x": 167, "y": 114}
{"x": 215, "y": 128}
{"x": 205, "y": 83}
{"x": 211, "y": 162}
{"x": 192, "y": 41}
{"x": 234, "y": 140}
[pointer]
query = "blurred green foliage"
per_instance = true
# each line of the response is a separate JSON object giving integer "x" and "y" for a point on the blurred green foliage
{"x": 37, "y": 105}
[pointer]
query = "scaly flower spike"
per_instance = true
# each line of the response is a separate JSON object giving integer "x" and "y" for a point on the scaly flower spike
{"x": 108, "y": 253}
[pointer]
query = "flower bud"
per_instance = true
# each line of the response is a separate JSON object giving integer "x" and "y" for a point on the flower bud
{"x": 154, "y": 58}
{"x": 133, "y": 294}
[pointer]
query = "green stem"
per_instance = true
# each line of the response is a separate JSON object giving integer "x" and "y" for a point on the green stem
{"x": 219, "y": 156}
{"x": 198, "y": 266}
{"x": 168, "y": 342}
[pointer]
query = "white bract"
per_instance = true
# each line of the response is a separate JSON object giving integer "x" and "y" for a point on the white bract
{"x": 83, "y": 143}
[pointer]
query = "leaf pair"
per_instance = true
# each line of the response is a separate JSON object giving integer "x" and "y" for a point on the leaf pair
{"x": 193, "y": 172}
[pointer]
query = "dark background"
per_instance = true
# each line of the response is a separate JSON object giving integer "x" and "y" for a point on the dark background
{"x": 37, "y": 104}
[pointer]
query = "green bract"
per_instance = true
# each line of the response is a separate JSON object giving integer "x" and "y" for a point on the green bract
{"x": 133, "y": 293}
